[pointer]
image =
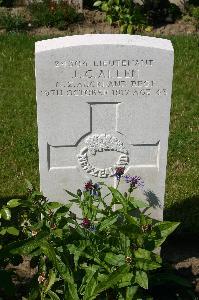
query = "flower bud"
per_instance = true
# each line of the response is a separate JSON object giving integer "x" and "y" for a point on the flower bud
{"x": 86, "y": 223}
{"x": 128, "y": 259}
{"x": 130, "y": 189}
{"x": 79, "y": 192}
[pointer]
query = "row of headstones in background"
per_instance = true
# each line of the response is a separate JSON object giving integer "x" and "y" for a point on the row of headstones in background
{"x": 76, "y": 3}
{"x": 103, "y": 101}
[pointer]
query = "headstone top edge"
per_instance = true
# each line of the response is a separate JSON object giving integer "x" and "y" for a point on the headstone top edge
{"x": 102, "y": 39}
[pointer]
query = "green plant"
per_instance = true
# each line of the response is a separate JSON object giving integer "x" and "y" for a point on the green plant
{"x": 194, "y": 12}
{"x": 53, "y": 14}
{"x": 104, "y": 253}
{"x": 16, "y": 218}
{"x": 12, "y": 22}
{"x": 133, "y": 17}
{"x": 8, "y": 233}
{"x": 126, "y": 13}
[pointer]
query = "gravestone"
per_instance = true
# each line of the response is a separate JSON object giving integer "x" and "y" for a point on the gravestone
{"x": 78, "y": 4}
{"x": 103, "y": 101}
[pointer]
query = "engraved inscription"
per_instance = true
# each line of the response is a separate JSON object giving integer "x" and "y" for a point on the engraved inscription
{"x": 116, "y": 77}
{"x": 105, "y": 63}
{"x": 99, "y": 143}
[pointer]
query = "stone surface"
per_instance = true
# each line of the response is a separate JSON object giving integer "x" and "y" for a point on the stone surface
{"x": 103, "y": 101}
{"x": 76, "y": 3}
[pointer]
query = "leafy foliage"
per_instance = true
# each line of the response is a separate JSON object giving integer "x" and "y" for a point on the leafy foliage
{"x": 53, "y": 14}
{"x": 103, "y": 253}
{"x": 13, "y": 22}
{"x": 126, "y": 13}
{"x": 135, "y": 17}
{"x": 194, "y": 12}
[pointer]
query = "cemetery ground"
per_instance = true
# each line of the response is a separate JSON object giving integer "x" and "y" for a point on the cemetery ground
{"x": 19, "y": 151}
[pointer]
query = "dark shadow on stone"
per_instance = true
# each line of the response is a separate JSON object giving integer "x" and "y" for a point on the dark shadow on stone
{"x": 152, "y": 199}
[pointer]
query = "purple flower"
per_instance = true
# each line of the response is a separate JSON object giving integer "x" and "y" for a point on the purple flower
{"x": 88, "y": 185}
{"x": 86, "y": 223}
{"x": 93, "y": 228}
{"x": 135, "y": 181}
{"x": 119, "y": 171}
{"x": 92, "y": 188}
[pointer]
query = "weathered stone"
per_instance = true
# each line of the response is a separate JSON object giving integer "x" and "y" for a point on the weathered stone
{"x": 103, "y": 101}
{"x": 76, "y": 3}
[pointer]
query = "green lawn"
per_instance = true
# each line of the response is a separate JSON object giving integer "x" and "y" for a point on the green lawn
{"x": 18, "y": 130}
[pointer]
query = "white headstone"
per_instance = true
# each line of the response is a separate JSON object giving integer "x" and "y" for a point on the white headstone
{"x": 78, "y": 4}
{"x": 103, "y": 101}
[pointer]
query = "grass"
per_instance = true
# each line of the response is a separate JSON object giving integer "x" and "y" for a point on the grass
{"x": 18, "y": 129}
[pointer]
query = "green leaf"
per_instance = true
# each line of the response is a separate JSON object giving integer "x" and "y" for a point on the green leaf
{"x": 13, "y": 203}
{"x": 51, "y": 280}
{"x": 90, "y": 270}
{"x": 142, "y": 253}
{"x": 77, "y": 251}
{"x": 62, "y": 268}
{"x": 53, "y": 295}
{"x": 97, "y": 3}
{"x": 34, "y": 293}
{"x": 115, "y": 259}
{"x": 118, "y": 196}
{"x": 162, "y": 230}
{"x": 3, "y": 231}
{"x": 109, "y": 19}
{"x": 6, "y": 213}
{"x": 58, "y": 232}
{"x": 146, "y": 265}
{"x": 74, "y": 200}
{"x": 130, "y": 29}
{"x": 54, "y": 205}
{"x": 26, "y": 247}
{"x": 166, "y": 227}
{"x": 131, "y": 292}
{"x": 133, "y": 220}
{"x": 104, "y": 6}
{"x": 138, "y": 203}
{"x": 142, "y": 279}
{"x": 107, "y": 223}
{"x": 111, "y": 280}
{"x": 38, "y": 195}
{"x": 71, "y": 194}
{"x": 123, "y": 28}
{"x": 91, "y": 283}
{"x": 13, "y": 231}
{"x": 62, "y": 211}
{"x": 126, "y": 280}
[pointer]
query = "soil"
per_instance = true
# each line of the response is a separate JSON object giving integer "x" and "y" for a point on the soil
{"x": 94, "y": 22}
{"x": 181, "y": 253}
